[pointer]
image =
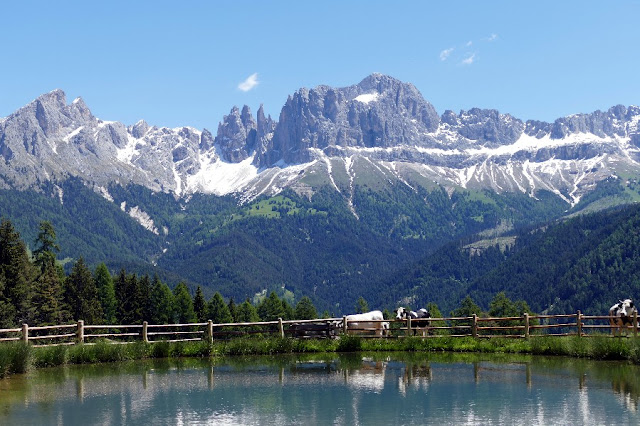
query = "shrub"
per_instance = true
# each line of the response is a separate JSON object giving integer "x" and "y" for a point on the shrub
{"x": 349, "y": 344}
{"x": 15, "y": 358}
{"x": 50, "y": 356}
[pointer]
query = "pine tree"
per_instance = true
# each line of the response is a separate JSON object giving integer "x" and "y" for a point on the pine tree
{"x": 218, "y": 310}
{"x": 128, "y": 297}
{"x": 271, "y": 308}
{"x": 143, "y": 298}
{"x": 183, "y": 304}
{"x": 47, "y": 302}
{"x": 288, "y": 310}
{"x": 467, "y": 308}
{"x": 106, "y": 293}
{"x": 502, "y": 306}
{"x": 305, "y": 309}
{"x": 47, "y": 248}
{"x": 233, "y": 309}
{"x": 81, "y": 294}
{"x": 48, "y": 307}
{"x": 16, "y": 277}
{"x": 433, "y": 309}
{"x": 120, "y": 288}
{"x": 362, "y": 306}
{"x": 161, "y": 302}
{"x": 247, "y": 312}
{"x": 200, "y": 306}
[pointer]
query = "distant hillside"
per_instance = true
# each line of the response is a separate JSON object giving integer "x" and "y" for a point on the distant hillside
{"x": 584, "y": 263}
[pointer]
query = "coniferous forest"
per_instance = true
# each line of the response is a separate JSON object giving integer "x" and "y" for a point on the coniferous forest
{"x": 70, "y": 253}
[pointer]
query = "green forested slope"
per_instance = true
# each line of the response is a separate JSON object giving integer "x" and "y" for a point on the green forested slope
{"x": 394, "y": 246}
{"x": 587, "y": 262}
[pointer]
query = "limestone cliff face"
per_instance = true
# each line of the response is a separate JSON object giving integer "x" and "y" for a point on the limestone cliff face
{"x": 381, "y": 120}
{"x": 378, "y": 112}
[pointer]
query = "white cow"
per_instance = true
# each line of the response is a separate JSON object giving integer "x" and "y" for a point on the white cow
{"x": 621, "y": 315}
{"x": 368, "y": 320}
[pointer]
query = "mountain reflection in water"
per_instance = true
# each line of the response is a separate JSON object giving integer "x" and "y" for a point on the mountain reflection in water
{"x": 329, "y": 389}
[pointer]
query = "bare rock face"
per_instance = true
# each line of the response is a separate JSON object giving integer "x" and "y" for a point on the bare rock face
{"x": 378, "y": 112}
{"x": 484, "y": 127}
{"x": 381, "y": 119}
{"x": 237, "y": 135}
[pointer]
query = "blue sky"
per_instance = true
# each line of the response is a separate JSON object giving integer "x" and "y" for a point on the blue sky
{"x": 183, "y": 63}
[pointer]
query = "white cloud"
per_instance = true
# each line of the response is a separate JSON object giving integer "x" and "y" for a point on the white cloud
{"x": 249, "y": 83}
{"x": 493, "y": 37}
{"x": 469, "y": 43}
{"x": 445, "y": 54}
{"x": 469, "y": 59}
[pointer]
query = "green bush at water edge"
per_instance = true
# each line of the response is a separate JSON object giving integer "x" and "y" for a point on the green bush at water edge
{"x": 18, "y": 357}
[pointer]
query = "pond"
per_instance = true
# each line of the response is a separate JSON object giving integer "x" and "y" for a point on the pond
{"x": 351, "y": 389}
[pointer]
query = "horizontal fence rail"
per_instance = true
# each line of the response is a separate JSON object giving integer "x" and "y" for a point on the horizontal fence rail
{"x": 524, "y": 326}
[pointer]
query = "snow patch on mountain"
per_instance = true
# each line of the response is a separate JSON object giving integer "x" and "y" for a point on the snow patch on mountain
{"x": 367, "y": 97}
{"x": 70, "y": 136}
{"x": 219, "y": 177}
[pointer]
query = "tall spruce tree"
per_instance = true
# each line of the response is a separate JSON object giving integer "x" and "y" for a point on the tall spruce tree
{"x": 305, "y": 309}
{"x": 200, "y": 306}
{"x": 161, "y": 302}
{"x": 47, "y": 303}
{"x": 247, "y": 312}
{"x": 271, "y": 308}
{"x": 129, "y": 299}
{"x": 46, "y": 246}
{"x": 183, "y": 304}
{"x": 106, "y": 293}
{"x": 120, "y": 287}
{"x": 218, "y": 310}
{"x": 361, "y": 305}
{"x": 81, "y": 294}
{"x": 143, "y": 298}
{"x": 232, "y": 309}
{"x": 16, "y": 277}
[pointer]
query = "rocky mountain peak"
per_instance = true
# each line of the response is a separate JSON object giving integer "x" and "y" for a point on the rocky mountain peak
{"x": 139, "y": 129}
{"x": 486, "y": 127}
{"x": 236, "y": 135}
{"x": 378, "y": 112}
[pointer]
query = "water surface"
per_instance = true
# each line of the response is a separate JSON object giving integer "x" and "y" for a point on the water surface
{"x": 365, "y": 389}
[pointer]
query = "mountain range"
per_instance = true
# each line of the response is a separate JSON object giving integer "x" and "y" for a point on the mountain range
{"x": 372, "y": 166}
{"x": 380, "y": 128}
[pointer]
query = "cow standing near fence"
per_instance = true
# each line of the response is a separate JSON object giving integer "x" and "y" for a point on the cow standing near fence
{"x": 419, "y": 319}
{"x": 621, "y": 315}
{"x": 367, "y": 322}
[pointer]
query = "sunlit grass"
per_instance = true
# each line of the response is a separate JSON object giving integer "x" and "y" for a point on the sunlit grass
{"x": 16, "y": 358}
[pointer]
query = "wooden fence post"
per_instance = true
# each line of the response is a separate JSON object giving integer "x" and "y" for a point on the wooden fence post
{"x": 635, "y": 323}
{"x": 281, "y": 327}
{"x": 526, "y": 325}
{"x": 80, "y": 334}
{"x": 25, "y": 333}
{"x": 145, "y": 336}
{"x": 579, "y": 323}
{"x": 408, "y": 325}
{"x": 474, "y": 326}
{"x": 210, "y": 331}
{"x": 344, "y": 324}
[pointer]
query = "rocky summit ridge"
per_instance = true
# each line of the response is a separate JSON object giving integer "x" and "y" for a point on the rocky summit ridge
{"x": 378, "y": 129}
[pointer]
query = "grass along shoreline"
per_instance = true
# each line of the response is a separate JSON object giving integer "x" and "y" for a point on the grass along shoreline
{"x": 17, "y": 358}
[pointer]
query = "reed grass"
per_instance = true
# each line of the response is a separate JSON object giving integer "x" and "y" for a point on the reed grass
{"x": 16, "y": 357}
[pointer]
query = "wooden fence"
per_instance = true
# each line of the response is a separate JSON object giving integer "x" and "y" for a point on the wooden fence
{"x": 523, "y": 326}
